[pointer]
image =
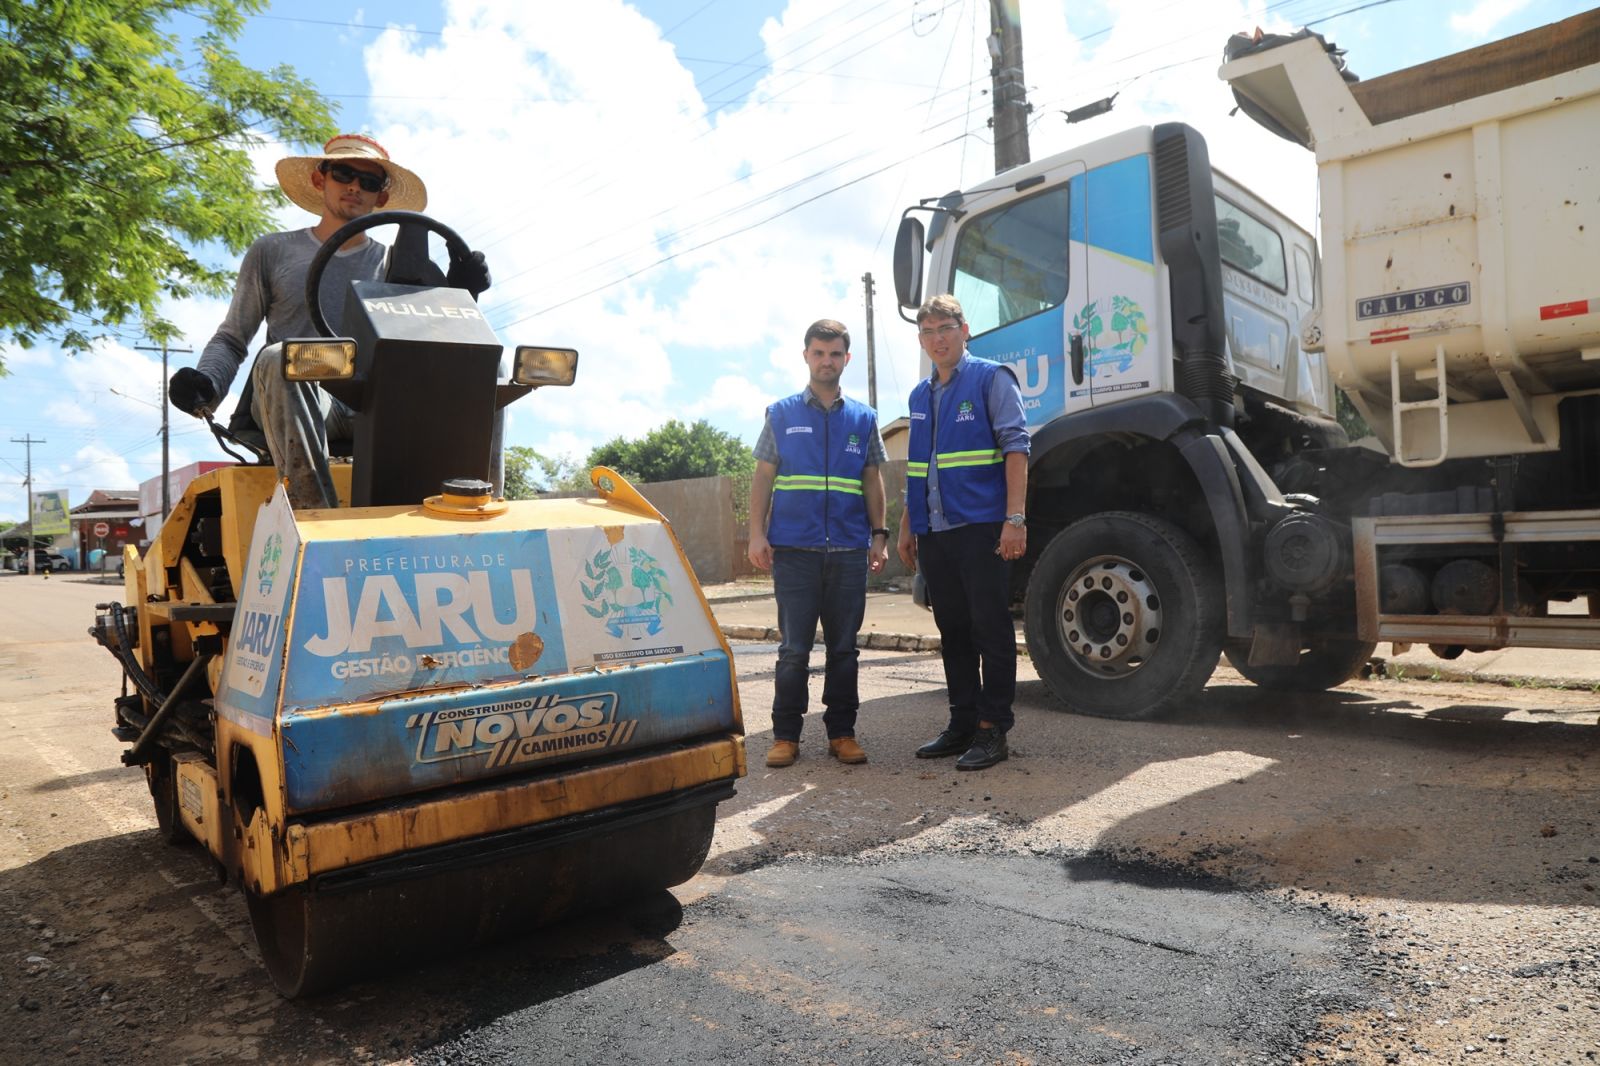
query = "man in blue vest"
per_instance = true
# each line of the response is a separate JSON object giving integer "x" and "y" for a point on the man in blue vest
{"x": 966, "y": 485}
{"x": 816, "y": 521}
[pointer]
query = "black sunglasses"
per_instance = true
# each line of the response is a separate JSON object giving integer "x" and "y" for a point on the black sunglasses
{"x": 344, "y": 175}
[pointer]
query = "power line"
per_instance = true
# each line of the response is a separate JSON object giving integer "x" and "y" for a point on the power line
{"x": 582, "y": 172}
{"x": 569, "y": 273}
{"x": 669, "y": 31}
{"x": 717, "y": 217}
{"x": 726, "y": 236}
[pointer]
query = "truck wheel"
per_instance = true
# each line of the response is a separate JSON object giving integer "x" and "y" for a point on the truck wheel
{"x": 1324, "y": 665}
{"x": 1124, "y": 616}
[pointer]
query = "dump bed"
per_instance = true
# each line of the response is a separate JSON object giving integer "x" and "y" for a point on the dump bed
{"x": 1460, "y": 226}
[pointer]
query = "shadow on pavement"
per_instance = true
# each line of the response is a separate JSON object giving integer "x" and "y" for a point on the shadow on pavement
{"x": 1395, "y": 794}
{"x": 140, "y": 938}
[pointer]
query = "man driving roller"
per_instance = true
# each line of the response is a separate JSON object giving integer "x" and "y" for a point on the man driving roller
{"x": 352, "y": 177}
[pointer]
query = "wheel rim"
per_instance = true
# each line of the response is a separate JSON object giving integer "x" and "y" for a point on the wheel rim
{"x": 1108, "y": 616}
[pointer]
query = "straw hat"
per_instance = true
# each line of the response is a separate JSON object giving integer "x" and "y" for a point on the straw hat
{"x": 406, "y": 191}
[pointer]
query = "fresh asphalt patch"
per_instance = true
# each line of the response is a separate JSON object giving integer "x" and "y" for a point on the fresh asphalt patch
{"x": 966, "y": 957}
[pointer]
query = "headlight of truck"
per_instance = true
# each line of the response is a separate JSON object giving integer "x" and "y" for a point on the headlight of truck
{"x": 319, "y": 360}
{"x": 545, "y": 366}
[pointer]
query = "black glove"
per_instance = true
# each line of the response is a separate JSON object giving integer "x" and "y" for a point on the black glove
{"x": 471, "y": 273}
{"x": 192, "y": 392}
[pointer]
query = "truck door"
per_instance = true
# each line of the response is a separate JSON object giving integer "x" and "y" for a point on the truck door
{"x": 1019, "y": 268}
{"x": 1125, "y": 357}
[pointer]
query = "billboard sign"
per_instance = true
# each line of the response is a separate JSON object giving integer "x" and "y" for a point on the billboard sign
{"x": 49, "y": 515}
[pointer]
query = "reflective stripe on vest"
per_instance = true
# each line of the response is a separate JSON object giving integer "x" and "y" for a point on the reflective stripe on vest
{"x": 817, "y": 500}
{"x": 951, "y": 460}
{"x": 972, "y": 484}
{"x": 807, "y": 483}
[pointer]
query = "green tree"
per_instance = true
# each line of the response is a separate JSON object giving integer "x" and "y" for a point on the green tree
{"x": 529, "y": 473}
{"x": 1355, "y": 426}
{"x": 675, "y": 451}
{"x": 121, "y": 149}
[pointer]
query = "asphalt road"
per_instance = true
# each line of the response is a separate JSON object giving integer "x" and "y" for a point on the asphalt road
{"x": 1399, "y": 871}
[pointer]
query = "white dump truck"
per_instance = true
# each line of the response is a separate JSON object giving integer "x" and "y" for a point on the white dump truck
{"x": 1181, "y": 349}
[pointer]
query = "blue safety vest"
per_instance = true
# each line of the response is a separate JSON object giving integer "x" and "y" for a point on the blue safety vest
{"x": 816, "y": 496}
{"x": 972, "y": 477}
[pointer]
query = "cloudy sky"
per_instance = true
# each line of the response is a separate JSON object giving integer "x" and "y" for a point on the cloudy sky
{"x": 678, "y": 187}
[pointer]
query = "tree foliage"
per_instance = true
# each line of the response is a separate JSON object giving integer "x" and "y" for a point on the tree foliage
{"x": 121, "y": 148}
{"x": 1355, "y": 426}
{"x": 529, "y": 473}
{"x": 676, "y": 451}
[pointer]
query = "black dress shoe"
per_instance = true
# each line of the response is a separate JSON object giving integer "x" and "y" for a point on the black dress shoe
{"x": 947, "y": 743}
{"x": 988, "y": 748}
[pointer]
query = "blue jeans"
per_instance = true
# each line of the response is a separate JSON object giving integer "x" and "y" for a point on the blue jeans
{"x": 813, "y": 586}
{"x": 970, "y": 587}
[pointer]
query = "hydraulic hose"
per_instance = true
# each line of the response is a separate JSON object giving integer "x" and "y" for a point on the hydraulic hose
{"x": 122, "y": 648}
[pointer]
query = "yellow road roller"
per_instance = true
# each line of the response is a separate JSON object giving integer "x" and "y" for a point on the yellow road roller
{"x": 429, "y": 717}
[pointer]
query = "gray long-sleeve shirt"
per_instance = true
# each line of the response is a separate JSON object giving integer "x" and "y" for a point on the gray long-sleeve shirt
{"x": 272, "y": 288}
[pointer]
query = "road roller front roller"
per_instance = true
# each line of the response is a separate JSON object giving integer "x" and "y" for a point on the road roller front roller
{"x": 428, "y": 717}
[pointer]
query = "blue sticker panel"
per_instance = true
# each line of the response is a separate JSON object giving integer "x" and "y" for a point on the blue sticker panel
{"x": 1119, "y": 209}
{"x": 388, "y": 615}
{"x": 1033, "y": 348}
{"x": 411, "y": 744}
{"x": 253, "y": 663}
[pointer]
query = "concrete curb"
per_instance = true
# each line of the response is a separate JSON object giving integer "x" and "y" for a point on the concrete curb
{"x": 880, "y": 641}
{"x": 883, "y": 641}
{"x": 1392, "y": 669}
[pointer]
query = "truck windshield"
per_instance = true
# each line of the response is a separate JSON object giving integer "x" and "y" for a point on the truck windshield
{"x": 1011, "y": 262}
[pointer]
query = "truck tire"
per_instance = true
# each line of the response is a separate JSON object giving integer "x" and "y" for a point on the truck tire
{"x": 1326, "y": 664}
{"x": 1124, "y": 616}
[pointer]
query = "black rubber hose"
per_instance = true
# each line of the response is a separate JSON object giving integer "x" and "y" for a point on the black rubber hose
{"x": 130, "y": 665}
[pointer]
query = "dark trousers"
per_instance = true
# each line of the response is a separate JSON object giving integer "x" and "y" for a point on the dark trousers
{"x": 813, "y": 586}
{"x": 970, "y": 587}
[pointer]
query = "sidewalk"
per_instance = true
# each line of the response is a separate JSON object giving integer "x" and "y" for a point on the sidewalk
{"x": 746, "y": 611}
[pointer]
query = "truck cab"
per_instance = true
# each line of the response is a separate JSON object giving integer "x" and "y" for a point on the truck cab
{"x": 1180, "y": 347}
{"x": 1057, "y": 266}
{"x": 1151, "y": 308}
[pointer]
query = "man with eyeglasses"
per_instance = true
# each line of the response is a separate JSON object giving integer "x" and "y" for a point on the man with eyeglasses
{"x": 966, "y": 486}
{"x": 817, "y": 522}
{"x": 352, "y": 177}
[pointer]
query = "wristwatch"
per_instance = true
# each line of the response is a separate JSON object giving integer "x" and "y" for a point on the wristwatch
{"x": 1019, "y": 520}
{"x": 885, "y": 533}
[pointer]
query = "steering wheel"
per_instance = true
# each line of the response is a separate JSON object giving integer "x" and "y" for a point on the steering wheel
{"x": 408, "y": 256}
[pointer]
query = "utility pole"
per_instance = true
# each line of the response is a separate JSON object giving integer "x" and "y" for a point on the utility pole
{"x": 1011, "y": 107}
{"x": 28, "y": 440}
{"x": 872, "y": 349}
{"x": 166, "y": 502}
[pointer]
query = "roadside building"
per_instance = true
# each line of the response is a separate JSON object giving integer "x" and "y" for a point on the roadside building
{"x": 897, "y": 438}
{"x": 101, "y": 525}
{"x": 177, "y": 481}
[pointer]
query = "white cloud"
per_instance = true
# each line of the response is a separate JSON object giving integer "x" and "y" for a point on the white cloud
{"x": 1481, "y": 19}
{"x": 729, "y": 395}
{"x": 571, "y": 144}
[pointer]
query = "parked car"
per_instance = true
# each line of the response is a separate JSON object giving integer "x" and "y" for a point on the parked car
{"x": 55, "y": 561}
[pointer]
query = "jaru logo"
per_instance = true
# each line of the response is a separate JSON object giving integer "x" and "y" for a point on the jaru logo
{"x": 462, "y": 605}
{"x": 257, "y": 633}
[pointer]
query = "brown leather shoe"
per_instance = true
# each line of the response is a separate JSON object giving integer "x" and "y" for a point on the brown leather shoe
{"x": 846, "y": 750}
{"x": 783, "y": 753}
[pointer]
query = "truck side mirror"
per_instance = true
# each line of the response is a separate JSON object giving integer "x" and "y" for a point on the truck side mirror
{"x": 908, "y": 262}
